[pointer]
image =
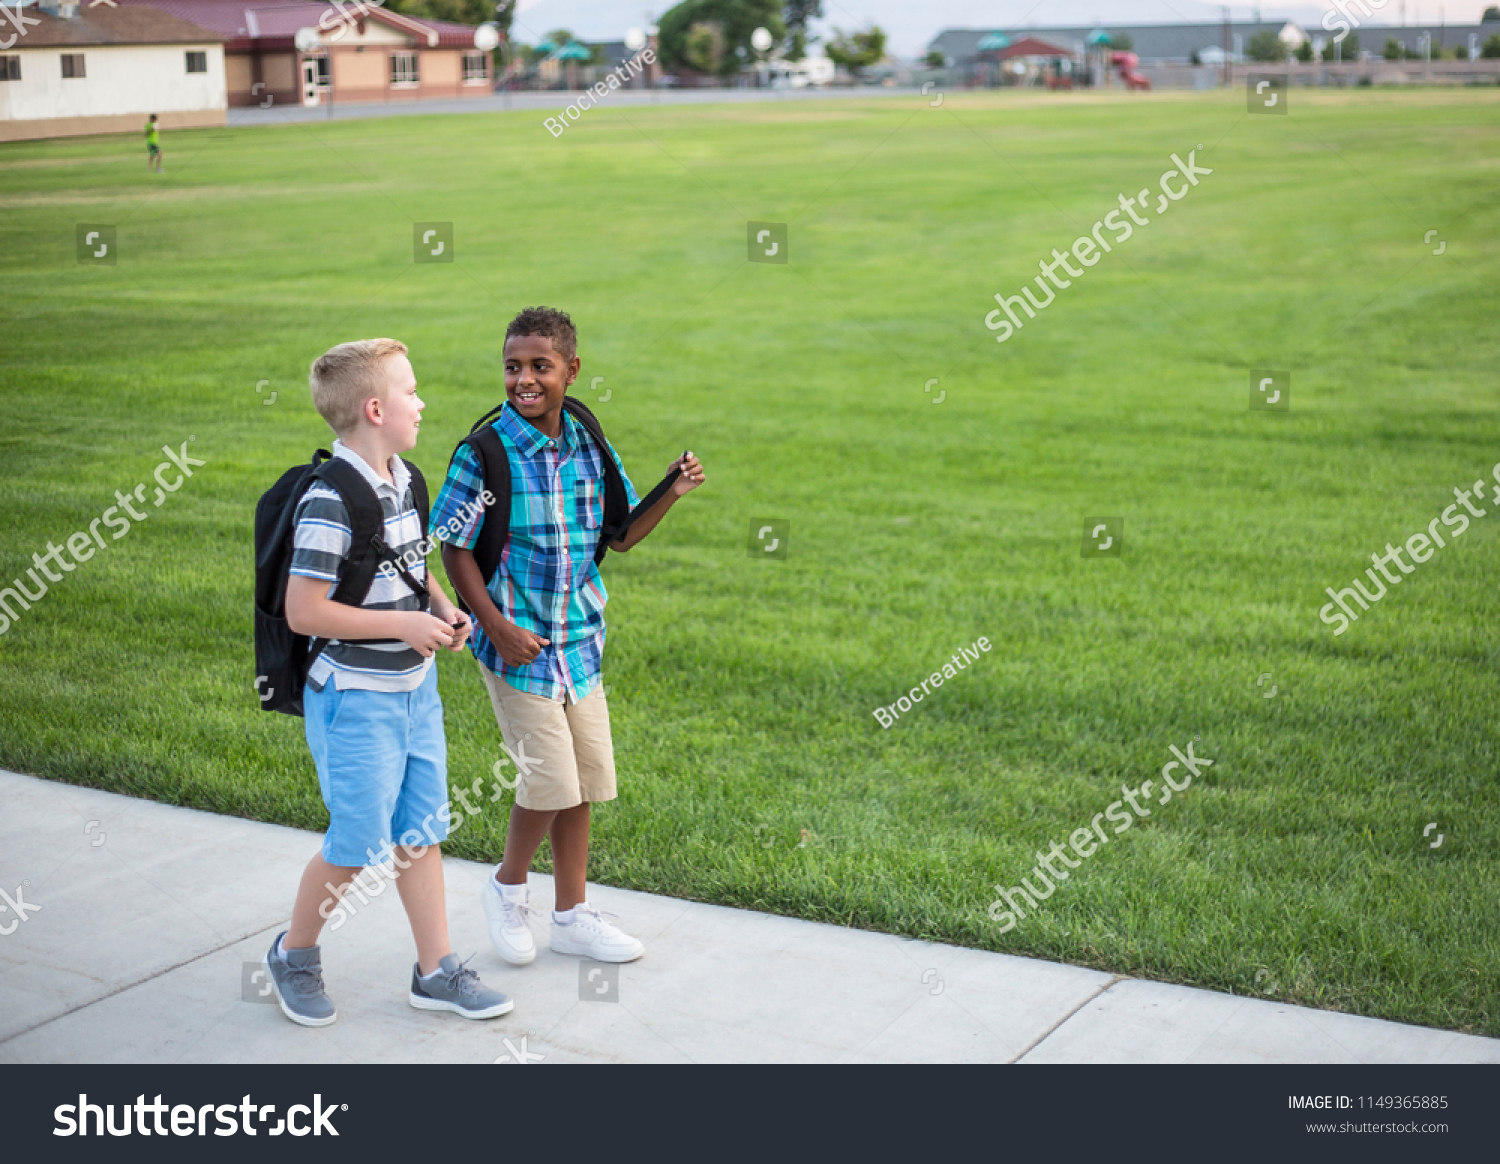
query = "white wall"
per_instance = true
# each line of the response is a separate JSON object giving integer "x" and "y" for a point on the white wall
{"x": 120, "y": 79}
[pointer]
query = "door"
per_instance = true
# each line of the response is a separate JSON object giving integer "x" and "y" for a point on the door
{"x": 309, "y": 81}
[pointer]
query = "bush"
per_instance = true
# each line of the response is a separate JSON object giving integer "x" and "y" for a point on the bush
{"x": 1394, "y": 50}
{"x": 1491, "y": 49}
{"x": 935, "y": 59}
{"x": 1304, "y": 52}
{"x": 1348, "y": 52}
{"x": 1267, "y": 47}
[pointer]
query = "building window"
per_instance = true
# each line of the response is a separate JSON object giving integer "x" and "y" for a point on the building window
{"x": 404, "y": 70}
{"x": 10, "y": 68}
{"x": 325, "y": 78}
{"x": 476, "y": 66}
{"x": 72, "y": 65}
{"x": 197, "y": 62}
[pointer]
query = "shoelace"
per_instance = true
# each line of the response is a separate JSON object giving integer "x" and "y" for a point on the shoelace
{"x": 304, "y": 980}
{"x": 599, "y": 915}
{"x": 462, "y": 980}
{"x": 521, "y": 913}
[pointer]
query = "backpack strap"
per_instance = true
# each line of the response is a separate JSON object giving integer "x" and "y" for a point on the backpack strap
{"x": 494, "y": 521}
{"x": 618, "y": 516}
{"x": 367, "y": 544}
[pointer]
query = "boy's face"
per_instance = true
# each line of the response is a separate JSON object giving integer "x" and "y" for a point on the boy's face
{"x": 537, "y": 378}
{"x": 401, "y": 410}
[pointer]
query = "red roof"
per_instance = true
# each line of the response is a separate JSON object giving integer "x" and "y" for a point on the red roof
{"x": 1029, "y": 46}
{"x": 245, "y": 24}
{"x": 105, "y": 25}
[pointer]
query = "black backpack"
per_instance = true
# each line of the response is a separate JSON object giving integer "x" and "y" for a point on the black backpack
{"x": 494, "y": 466}
{"x": 282, "y": 657}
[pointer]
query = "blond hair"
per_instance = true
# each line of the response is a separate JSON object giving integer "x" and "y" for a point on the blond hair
{"x": 347, "y": 375}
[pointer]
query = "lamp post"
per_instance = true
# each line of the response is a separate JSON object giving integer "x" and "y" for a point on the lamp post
{"x": 635, "y": 41}
{"x": 486, "y": 40}
{"x": 307, "y": 40}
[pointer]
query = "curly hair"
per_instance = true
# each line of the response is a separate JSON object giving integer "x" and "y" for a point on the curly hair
{"x": 550, "y": 322}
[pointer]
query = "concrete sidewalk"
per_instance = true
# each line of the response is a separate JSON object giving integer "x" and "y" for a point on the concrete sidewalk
{"x": 146, "y": 917}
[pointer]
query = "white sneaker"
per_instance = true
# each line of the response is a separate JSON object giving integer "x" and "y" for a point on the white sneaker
{"x": 509, "y": 931}
{"x": 593, "y": 937}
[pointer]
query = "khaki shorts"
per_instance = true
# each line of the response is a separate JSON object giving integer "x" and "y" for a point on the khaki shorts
{"x": 565, "y": 744}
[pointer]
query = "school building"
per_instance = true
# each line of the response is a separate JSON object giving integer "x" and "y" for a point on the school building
{"x": 361, "y": 52}
{"x": 67, "y": 70}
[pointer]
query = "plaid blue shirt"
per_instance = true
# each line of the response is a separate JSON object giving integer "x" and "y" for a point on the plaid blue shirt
{"x": 547, "y": 582}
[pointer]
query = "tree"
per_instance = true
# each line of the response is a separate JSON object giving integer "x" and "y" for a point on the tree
{"x": 1394, "y": 50}
{"x": 1122, "y": 43}
{"x": 796, "y": 14}
{"x": 1491, "y": 49}
{"x": 458, "y": 11}
{"x": 1304, "y": 52}
{"x": 856, "y": 51}
{"x": 1267, "y": 47}
{"x": 704, "y": 49}
{"x": 1490, "y": 13}
{"x": 737, "y": 20}
{"x": 936, "y": 60}
{"x": 1349, "y": 51}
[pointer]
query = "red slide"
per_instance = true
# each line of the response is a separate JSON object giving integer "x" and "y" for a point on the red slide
{"x": 1126, "y": 63}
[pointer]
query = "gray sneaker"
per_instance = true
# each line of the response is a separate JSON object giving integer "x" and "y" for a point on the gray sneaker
{"x": 458, "y": 989}
{"x": 299, "y": 985}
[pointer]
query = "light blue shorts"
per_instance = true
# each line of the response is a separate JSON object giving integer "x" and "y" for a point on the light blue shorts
{"x": 382, "y": 767}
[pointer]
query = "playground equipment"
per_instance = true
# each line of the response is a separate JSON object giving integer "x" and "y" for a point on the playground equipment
{"x": 1126, "y": 63}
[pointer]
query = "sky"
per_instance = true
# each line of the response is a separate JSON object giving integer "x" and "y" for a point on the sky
{"x": 909, "y": 27}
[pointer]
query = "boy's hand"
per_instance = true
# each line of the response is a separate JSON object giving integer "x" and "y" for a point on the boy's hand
{"x": 425, "y": 633}
{"x": 692, "y": 474}
{"x": 461, "y": 625}
{"x": 516, "y": 646}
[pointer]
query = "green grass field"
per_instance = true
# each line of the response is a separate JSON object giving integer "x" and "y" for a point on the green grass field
{"x": 753, "y": 771}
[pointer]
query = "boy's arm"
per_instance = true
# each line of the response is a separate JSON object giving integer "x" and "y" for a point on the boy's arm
{"x": 516, "y": 646}
{"x": 309, "y": 611}
{"x": 692, "y": 477}
{"x": 444, "y": 609}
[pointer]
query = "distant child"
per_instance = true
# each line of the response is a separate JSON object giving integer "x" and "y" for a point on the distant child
{"x": 153, "y": 146}
{"x": 540, "y": 638}
{"x": 373, "y": 717}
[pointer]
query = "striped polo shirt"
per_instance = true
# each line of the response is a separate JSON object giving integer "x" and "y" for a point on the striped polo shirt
{"x": 320, "y": 548}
